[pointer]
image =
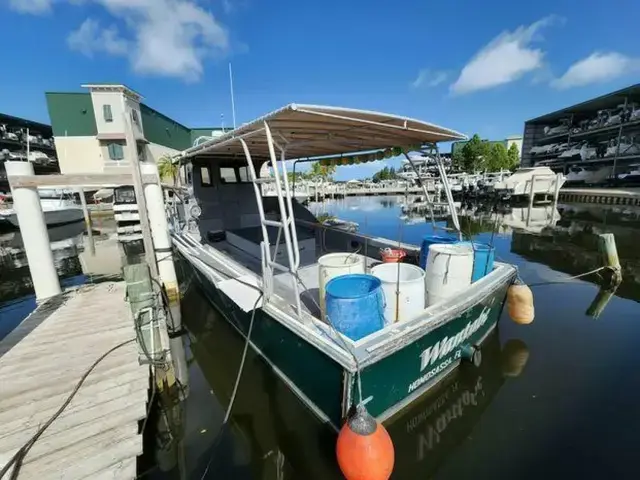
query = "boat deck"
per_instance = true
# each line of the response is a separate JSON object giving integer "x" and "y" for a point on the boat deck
{"x": 41, "y": 361}
{"x": 308, "y": 274}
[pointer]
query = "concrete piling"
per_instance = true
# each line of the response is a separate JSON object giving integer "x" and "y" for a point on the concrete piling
{"x": 33, "y": 228}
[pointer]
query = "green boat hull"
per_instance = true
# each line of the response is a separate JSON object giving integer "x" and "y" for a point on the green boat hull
{"x": 388, "y": 385}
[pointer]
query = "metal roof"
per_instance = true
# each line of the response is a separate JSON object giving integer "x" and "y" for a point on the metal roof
{"x": 590, "y": 107}
{"x": 322, "y": 131}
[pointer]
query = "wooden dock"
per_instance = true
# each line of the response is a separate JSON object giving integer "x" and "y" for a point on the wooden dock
{"x": 97, "y": 435}
{"x": 610, "y": 196}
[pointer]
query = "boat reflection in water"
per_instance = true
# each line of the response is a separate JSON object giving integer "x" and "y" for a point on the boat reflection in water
{"x": 271, "y": 434}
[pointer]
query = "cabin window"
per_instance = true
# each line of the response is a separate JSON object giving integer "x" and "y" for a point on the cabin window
{"x": 228, "y": 175}
{"x": 116, "y": 152}
{"x": 106, "y": 113}
{"x": 205, "y": 177}
{"x": 243, "y": 174}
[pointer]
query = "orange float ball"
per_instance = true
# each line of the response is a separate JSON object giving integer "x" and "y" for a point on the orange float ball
{"x": 364, "y": 448}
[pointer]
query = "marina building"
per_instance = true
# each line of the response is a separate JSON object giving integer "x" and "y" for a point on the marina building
{"x": 89, "y": 129}
{"x": 599, "y": 136}
{"x": 22, "y": 139}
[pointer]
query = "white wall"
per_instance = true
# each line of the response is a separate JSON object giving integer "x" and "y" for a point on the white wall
{"x": 79, "y": 155}
{"x": 155, "y": 151}
{"x": 130, "y": 105}
{"x": 517, "y": 141}
{"x": 114, "y": 99}
{"x": 120, "y": 105}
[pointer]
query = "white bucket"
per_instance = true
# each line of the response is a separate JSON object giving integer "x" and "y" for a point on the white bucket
{"x": 449, "y": 270}
{"x": 411, "y": 283}
{"x": 336, "y": 264}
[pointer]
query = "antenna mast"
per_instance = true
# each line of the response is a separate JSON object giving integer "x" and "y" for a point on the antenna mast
{"x": 233, "y": 103}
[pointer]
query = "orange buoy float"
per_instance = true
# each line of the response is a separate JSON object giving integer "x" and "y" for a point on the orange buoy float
{"x": 364, "y": 448}
{"x": 520, "y": 303}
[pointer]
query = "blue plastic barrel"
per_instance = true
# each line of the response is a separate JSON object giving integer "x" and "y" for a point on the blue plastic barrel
{"x": 483, "y": 256}
{"x": 430, "y": 240}
{"x": 355, "y": 304}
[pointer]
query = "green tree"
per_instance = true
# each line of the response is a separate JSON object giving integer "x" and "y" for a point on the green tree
{"x": 385, "y": 174}
{"x": 474, "y": 154}
{"x": 498, "y": 159}
{"x": 168, "y": 170}
{"x": 514, "y": 156}
{"x": 322, "y": 171}
{"x": 457, "y": 160}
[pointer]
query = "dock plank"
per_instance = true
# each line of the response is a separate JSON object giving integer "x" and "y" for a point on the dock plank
{"x": 42, "y": 360}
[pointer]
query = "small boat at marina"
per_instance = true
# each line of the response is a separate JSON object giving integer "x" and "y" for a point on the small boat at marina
{"x": 259, "y": 261}
{"x": 520, "y": 183}
{"x": 59, "y": 208}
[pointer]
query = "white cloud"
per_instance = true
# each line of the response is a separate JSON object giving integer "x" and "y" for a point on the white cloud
{"x": 90, "y": 38}
{"x": 35, "y": 7}
{"x": 599, "y": 67}
{"x": 429, "y": 78}
{"x": 159, "y": 37}
{"x": 505, "y": 59}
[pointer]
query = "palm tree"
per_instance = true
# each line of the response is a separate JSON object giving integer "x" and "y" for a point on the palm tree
{"x": 168, "y": 170}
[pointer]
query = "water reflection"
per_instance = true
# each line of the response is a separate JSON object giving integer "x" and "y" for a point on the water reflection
{"x": 78, "y": 259}
{"x": 66, "y": 245}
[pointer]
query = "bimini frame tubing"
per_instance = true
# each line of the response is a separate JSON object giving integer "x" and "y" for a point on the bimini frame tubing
{"x": 286, "y": 217}
{"x": 423, "y": 186}
{"x": 447, "y": 190}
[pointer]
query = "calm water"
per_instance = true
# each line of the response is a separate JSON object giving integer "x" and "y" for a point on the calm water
{"x": 558, "y": 397}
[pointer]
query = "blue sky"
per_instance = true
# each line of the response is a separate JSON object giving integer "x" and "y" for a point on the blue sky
{"x": 475, "y": 69}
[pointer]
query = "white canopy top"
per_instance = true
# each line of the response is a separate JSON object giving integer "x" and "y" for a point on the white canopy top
{"x": 318, "y": 131}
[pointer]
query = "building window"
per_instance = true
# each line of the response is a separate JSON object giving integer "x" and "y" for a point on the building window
{"x": 141, "y": 152}
{"x": 116, "y": 152}
{"x": 228, "y": 175}
{"x": 106, "y": 113}
{"x": 205, "y": 177}
{"x": 134, "y": 117}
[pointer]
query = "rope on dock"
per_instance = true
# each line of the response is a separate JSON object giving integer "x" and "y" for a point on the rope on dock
{"x": 570, "y": 278}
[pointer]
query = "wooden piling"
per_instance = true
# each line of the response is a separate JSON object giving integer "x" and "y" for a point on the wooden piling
{"x": 609, "y": 255}
{"x": 600, "y": 302}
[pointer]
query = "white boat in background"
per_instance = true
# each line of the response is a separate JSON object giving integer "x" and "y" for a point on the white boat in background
{"x": 489, "y": 179}
{"x": 520, "y": 183}
{"x": 59, "y": 208}
{"x": 588, "y": 175}
{"x": 632, "y": 174}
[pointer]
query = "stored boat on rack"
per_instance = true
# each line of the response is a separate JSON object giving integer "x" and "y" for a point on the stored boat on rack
{"x": 260, "y": 258}
{"x": 524, "y": 181}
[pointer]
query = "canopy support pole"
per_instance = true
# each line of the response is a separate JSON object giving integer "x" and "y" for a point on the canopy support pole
{"x": 447, "y": 190}
{"x": 424, "y": 188}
